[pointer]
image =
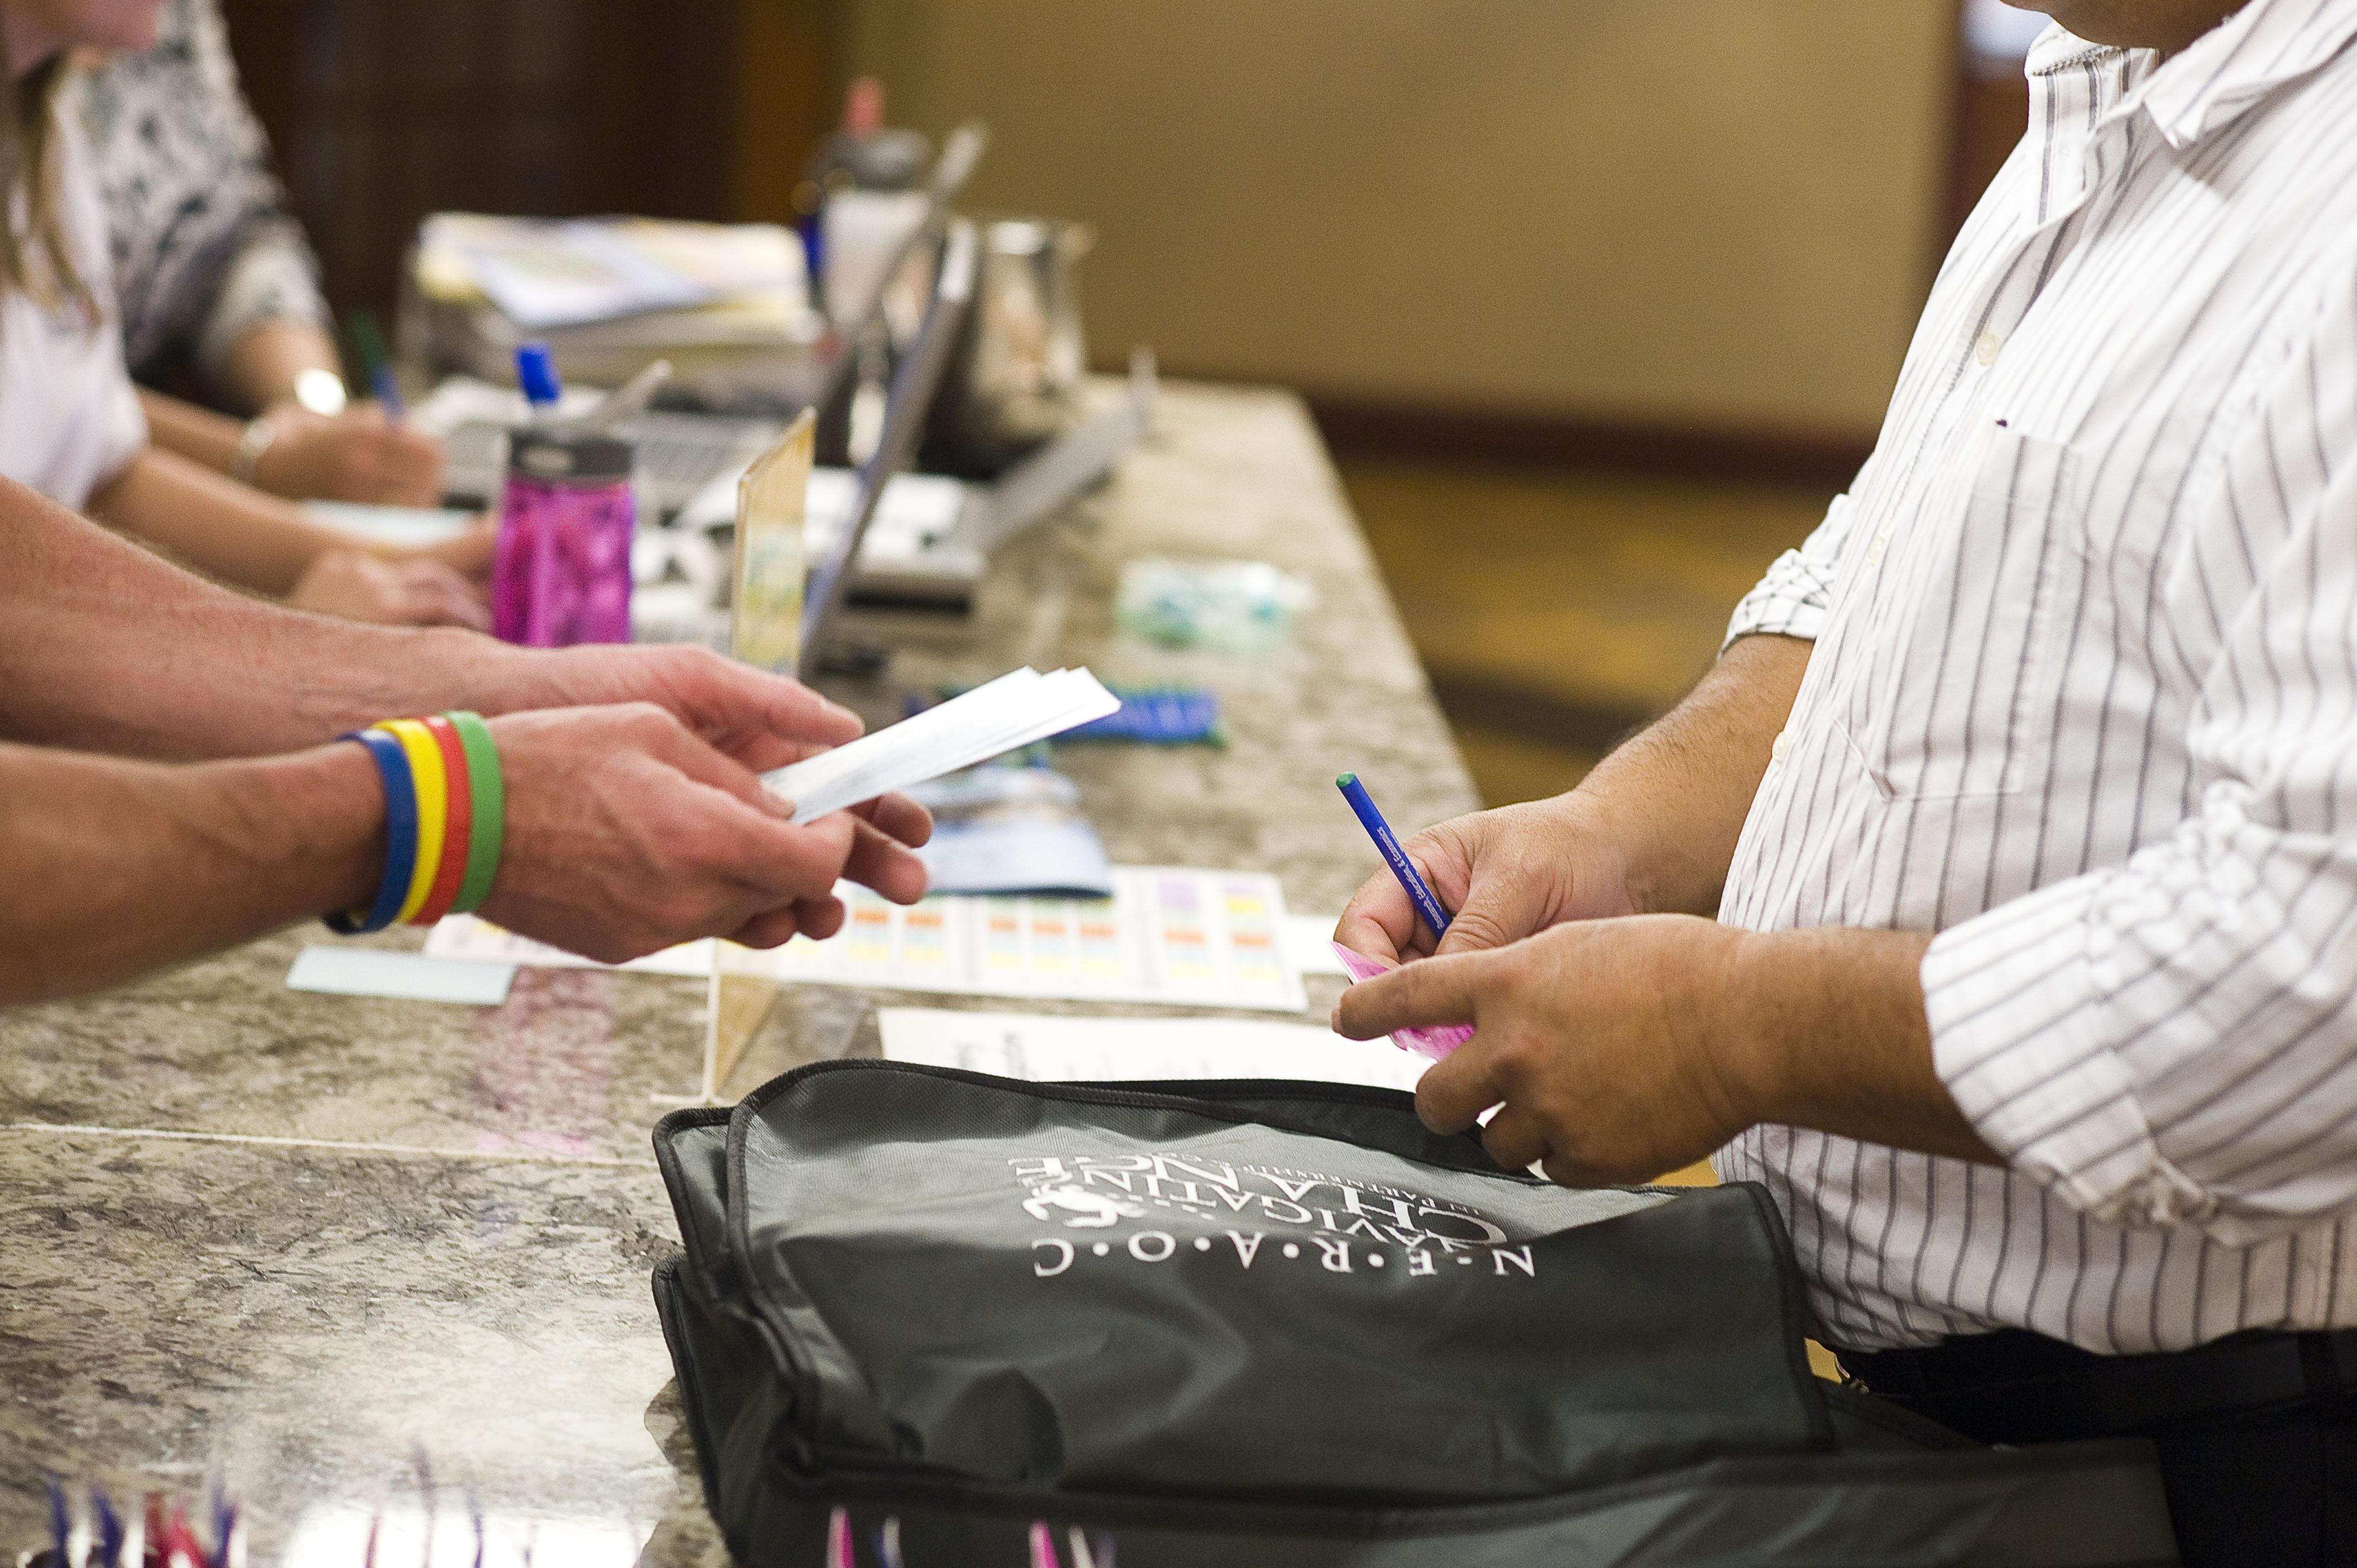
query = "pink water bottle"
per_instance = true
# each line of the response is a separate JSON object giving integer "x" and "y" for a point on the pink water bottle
{"x": 567, "y": 514}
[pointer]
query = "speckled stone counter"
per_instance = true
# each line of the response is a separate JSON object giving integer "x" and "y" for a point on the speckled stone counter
{"x": 304, "y": 1239}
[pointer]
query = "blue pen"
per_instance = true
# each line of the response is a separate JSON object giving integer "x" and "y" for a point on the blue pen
{"x": 388, "y": 393}
{"x": 378, "y": 365}
{"x": 536, "y": 377}
{"x": 1396, "y": 857}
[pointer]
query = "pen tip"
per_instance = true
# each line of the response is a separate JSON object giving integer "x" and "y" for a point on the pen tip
{"x": 1344, "y": 781}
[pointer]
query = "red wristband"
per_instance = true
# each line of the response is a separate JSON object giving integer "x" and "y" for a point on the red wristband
{"x": 458, "y": 833}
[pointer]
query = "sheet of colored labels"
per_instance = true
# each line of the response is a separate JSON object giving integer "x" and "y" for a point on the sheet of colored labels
{"x": 445, "y": 818}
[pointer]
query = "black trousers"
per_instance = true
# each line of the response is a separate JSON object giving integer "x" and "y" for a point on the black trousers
{"x": 2257, "y": 1434}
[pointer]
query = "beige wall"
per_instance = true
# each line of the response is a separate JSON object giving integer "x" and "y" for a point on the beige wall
{"x": 1706, "y": 211}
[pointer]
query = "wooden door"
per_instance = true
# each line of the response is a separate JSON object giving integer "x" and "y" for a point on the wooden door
{"x": 382, "y": 110}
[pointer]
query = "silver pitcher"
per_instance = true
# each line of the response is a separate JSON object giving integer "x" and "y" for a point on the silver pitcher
{"x": 1016, "y": 378}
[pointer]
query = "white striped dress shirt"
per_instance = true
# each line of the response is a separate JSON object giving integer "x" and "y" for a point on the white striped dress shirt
{"x": 2083, "y": 702}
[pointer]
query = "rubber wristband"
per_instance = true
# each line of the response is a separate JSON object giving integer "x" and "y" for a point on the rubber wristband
{"x": 433, "y": 808}
{"x": 489, "y": 834}
{"x": 458, "y": 826}
{"x": 400, "y": 836}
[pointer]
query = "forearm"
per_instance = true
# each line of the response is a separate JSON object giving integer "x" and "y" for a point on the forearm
{"x": 196, "y": 433}
{"x": 1673, "y": 799}
{"x": 260, "y": 367}
{"x": 107, "y": 648}
{"x": 1825, "y": 1029}
{"x": 117, "y": 867}
{"x": 216, "y": 525}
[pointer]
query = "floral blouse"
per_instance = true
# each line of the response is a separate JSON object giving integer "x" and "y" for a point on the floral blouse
{"x": 203, "y": 244}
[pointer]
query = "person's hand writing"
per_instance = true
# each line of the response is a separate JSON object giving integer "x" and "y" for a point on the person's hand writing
{"x": 627, "y": 832}
{"x": 1618, "y": 1049}
{"x": 1605, "y": 1042}
{"x": 356, "y": 456}
{"x": 1504, "y": 874}
{"x": 358, "y": 585}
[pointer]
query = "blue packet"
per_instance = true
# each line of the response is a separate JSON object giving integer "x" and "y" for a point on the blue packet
{"x": 1158, "y": 715}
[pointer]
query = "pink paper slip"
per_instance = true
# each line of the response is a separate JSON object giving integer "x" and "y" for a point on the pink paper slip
{"x": 1436, "y": 1042}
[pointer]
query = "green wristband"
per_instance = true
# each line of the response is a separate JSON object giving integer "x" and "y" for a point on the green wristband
{"x": 490, "y": 814}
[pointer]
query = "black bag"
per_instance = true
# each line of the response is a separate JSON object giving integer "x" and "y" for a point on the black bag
{"x": 1244, "y": 1323}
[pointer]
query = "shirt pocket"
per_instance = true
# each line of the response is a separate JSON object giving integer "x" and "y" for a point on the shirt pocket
{"x": 1957, "y": 664}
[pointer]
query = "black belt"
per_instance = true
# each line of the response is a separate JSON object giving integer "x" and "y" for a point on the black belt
{"x": 2017, "y": 1387}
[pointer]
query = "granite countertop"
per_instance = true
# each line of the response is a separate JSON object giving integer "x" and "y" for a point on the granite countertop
{"x": 303, "y": 1241}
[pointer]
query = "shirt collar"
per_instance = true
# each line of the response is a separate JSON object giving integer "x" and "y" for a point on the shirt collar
{"x": 2266, "y": 46}
{"x": 2059, "y": 49}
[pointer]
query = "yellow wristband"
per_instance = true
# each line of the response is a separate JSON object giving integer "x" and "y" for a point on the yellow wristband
{"x": 424, "y": 754}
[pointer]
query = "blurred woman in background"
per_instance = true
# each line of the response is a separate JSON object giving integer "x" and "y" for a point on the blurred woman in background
{"x": 72, "y": 426}
{"x": 218, "y": 289}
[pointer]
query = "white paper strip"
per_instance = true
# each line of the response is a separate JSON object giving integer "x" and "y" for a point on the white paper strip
{"x": 1006, "y": 714}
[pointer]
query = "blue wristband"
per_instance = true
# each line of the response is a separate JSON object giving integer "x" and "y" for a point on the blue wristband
{"x": 400, "y": 836}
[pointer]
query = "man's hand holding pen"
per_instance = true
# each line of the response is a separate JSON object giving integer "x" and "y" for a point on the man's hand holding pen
{"x": 1598, "y": 1040}
{"x": 1620, "y": 1044}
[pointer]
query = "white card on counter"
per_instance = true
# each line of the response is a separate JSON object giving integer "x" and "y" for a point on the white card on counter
{"x": 1004, "y": 715}
{"x": 1051, "y": 1049}
{"x": 404, "y": 976}
{"x": 402, "y": 527}
{"x": 469, "y": 939}
{"x": 1168, "y": 934}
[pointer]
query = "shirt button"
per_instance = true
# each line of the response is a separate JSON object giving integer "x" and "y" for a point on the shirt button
{"x": 1779, "y": 745}
{"x": 1985, "y": 350}
{"x": 1874, "y": 547}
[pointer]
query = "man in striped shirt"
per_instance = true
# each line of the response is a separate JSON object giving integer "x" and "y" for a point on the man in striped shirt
{"x": 2025, "y": 794}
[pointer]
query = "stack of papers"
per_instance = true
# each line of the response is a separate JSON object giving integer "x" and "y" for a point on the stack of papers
{"x": 542, "y": 274}
{"x": 1007, "y": 713}
{"x": 728, "y": 304}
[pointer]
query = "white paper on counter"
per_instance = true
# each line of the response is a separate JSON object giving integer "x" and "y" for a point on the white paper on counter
{"x": 1168, "y": 934}
{"x": 404, "y": 976}
{"x": 1043, "y": 1049}
{"x": 469, "y": 939}
{"x": 1310, "y": 943}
